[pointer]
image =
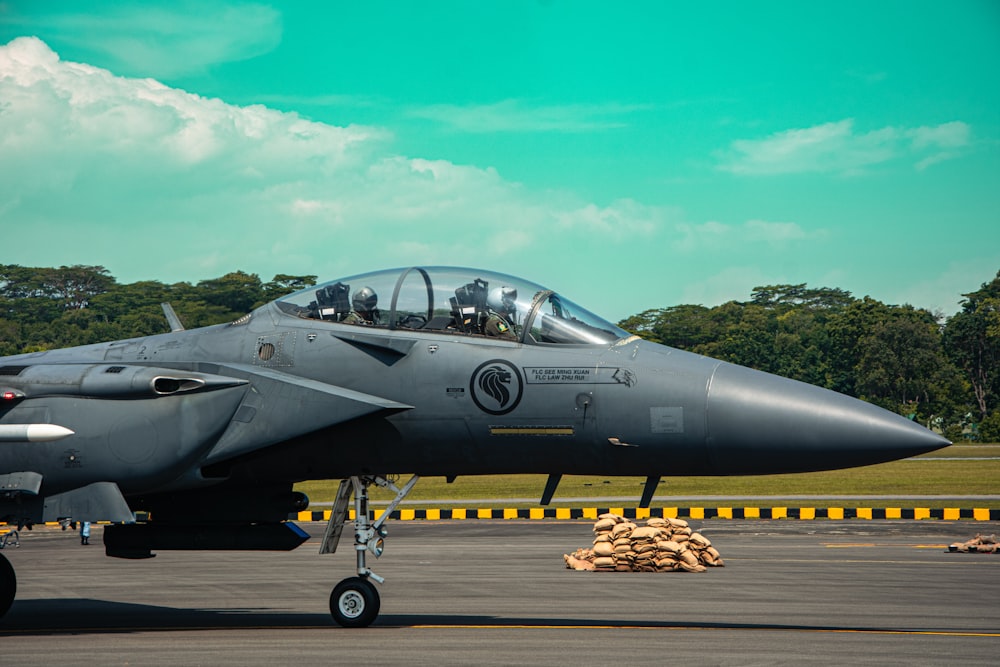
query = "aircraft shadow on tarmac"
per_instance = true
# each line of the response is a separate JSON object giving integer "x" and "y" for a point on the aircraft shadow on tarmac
{"x": 74, "y": 616}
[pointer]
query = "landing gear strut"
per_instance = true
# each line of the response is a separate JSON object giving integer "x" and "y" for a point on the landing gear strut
{"x": 355, "y": 602}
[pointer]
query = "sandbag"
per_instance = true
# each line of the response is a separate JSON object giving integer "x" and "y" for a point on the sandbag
{"x": 604, "y": 525}
{"x": 669, "y": 546}
{"x": 699, "y": 540}
{"x": 662, "y": 545}
{"x": 688, "y": 557}
{"x": 574, "y": 563}
{"x": 650, "y": 533}
{"x": 623, "y": 529}
{"x": 688, "y": 567}
{"x": 603, "y": 549}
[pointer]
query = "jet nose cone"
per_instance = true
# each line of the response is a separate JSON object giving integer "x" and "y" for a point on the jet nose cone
{"x": 758, "y": 422}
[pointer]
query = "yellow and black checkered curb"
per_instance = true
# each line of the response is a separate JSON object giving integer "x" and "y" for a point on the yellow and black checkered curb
{"x": 638, "y": 513}
{"x": 801, "y": 513}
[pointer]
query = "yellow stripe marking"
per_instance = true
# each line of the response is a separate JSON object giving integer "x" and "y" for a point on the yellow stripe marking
{"x": 625, "y": 626}
{"x": 529, "y": 430}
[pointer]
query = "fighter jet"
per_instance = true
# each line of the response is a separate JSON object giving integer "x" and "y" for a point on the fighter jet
{"x": 407, "y": 372}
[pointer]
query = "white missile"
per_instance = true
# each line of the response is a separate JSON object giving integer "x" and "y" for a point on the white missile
{"x": 33, "y": 432}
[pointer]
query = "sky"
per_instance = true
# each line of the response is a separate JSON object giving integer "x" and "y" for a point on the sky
{"x": 628, "y": 155}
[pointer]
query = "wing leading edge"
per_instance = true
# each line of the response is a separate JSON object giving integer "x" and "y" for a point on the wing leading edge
{"x": 279, "y": 407}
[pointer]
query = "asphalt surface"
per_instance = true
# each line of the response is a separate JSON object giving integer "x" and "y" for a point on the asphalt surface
{"x": 497, "y": 593}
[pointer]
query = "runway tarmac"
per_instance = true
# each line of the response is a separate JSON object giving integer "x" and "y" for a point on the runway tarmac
{"x": 497, "y": 593}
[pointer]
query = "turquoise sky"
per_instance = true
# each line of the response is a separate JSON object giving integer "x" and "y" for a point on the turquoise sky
{"x": 631, "y": 155}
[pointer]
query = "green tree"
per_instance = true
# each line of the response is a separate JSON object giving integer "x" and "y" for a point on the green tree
{"x": 972, "y": 341}
{"x": 72, "y": 286}
{"x": 902, "y": 366}
{"x": 283, "y": 284}
{"x": 237, "y": 292}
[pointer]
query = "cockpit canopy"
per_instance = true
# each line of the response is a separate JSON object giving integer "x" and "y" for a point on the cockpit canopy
{"x": 453, "y": 300}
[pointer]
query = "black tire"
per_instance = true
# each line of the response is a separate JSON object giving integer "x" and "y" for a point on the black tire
{"x": 8, "y": 584}
{"x": 354, "y": 603}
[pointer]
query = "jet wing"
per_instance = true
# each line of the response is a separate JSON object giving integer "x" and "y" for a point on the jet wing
{"x": 100, "y": 501}
{"x": 279, "y": 407}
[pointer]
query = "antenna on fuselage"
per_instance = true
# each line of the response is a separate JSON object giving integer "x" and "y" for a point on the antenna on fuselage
{"x": 172, "y": 319}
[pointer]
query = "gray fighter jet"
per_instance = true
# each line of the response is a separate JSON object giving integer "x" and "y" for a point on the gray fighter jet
{"x": 418, "y": 371}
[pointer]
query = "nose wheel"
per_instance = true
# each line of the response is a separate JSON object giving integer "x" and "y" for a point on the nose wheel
{"x": 355, "y": 602}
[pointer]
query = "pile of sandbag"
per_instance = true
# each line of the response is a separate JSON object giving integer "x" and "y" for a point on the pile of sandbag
{"x": 662, "y": 545}
{"x": 983, "y": 544}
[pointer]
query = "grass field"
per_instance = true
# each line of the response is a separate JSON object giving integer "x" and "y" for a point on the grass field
{"x": 951, "y": 472}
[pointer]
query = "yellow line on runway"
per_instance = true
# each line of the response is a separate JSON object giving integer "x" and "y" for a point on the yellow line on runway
{"x": 854, "y": 561}
{"x": 583, "y": 626}
{"x": 851, "y": 545}
{"x": 936, "y": 633}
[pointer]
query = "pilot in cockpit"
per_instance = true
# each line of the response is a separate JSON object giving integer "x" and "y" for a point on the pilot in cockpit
{"x": 363, "y": 310}
{"x": 500, "y": 321}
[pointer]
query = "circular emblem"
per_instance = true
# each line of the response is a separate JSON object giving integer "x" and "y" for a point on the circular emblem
{"x": 496, "y": 387}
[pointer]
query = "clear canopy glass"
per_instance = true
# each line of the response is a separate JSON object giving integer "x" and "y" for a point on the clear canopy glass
{"x": 452, "y": 300}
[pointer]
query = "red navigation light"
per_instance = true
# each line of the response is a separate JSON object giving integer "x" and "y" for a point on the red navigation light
{"x": 10, "y": 395}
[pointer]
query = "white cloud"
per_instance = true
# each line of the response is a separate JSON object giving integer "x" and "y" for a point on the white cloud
{"x": 521, "y": 116}
{"x": 731, "y": 284}
{"x": 188, "y": 38}
{"x": 717, "y": 236}
{"x": 622, "y": 219}
{"x": 838, "y": 148}
{"x": 65, "y": 124}
{"x": 947, "y": 135}
{"x": 104, "y": 161}
{"x": 941, "y": 288}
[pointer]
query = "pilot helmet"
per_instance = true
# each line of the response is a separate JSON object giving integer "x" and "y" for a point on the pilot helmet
{"x": 501, "y": 299}
{"x": 364, "y": 300}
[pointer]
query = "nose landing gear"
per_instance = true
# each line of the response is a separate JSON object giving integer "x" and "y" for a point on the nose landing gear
{"x": 355, "y": 602}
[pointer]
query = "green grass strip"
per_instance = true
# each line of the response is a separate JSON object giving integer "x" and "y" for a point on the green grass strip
{"x": 953, "y": 472}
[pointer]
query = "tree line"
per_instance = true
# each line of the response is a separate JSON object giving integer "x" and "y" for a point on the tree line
{"x": 46, "y": 308}
{"x": 942, "y": 372}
